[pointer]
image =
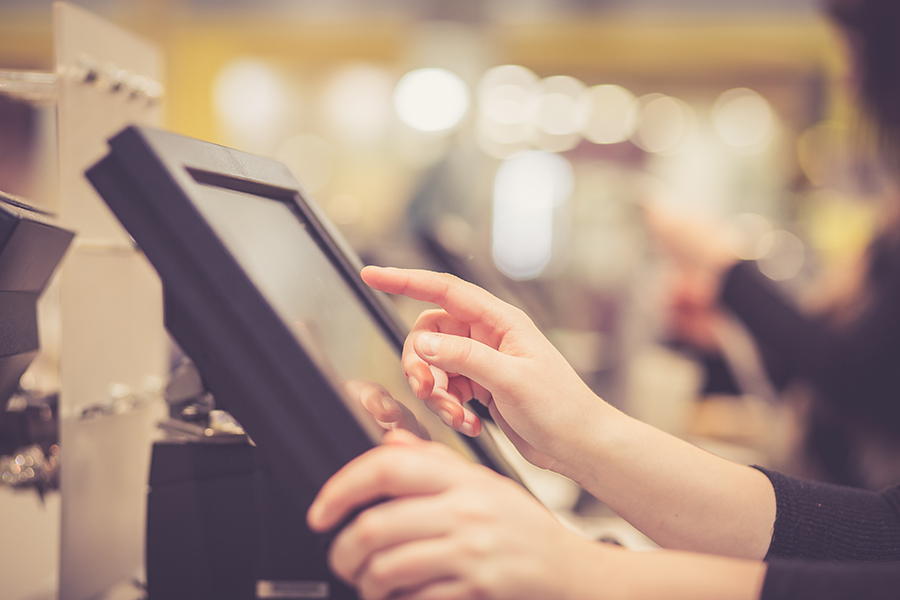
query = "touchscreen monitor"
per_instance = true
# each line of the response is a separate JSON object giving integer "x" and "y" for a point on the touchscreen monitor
{"x": 265, "y": 296}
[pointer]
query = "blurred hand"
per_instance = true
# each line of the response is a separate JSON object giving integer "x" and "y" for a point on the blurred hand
{"x": 701, "y": 256}
{"x": 450, "y": 529}
{"x": 389, "y": 413}
{"x": 476, "y": 346}
{"x": 692, "y": 308}
{"x": 692, "y": 240}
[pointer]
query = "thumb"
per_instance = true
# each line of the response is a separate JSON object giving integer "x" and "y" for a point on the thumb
{"x": 463, "y": 355}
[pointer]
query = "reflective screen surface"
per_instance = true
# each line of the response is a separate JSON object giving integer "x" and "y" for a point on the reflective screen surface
{"x": 274, "y": 246}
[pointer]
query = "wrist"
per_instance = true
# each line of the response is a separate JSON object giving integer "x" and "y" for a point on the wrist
{"x": 590, "y": 443}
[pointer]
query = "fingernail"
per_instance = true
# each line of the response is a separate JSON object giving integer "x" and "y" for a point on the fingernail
{"x": 387, "y": 403}
{"x": 467, "y": 429}
{"x": 446, "y": 417}
{"x": 414, "y": 385}
{"x": 429, "y": 343}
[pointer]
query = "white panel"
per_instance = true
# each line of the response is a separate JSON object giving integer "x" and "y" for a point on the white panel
{"x": 111, "y": 312}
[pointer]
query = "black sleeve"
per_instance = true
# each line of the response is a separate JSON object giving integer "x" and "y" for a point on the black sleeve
{"x": 802, "y": 580}
{"x": 832, "y": 542}
{"x": 854, "y": 366}
{"x": 820, "y": 521}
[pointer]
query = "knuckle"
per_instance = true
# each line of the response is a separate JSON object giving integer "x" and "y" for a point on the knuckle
{"x": 518, "y": 317}
{"x": 378, "y": 573}
{"x": 368, "y": 529}
{"x": 429, "y": 315}
{"x": 340, "y": 567}
{"x": 480, "y": 546}
{"x": 459, "y": 350}
{"x": 381, "y": 473}
{"x": 400, "y": 465}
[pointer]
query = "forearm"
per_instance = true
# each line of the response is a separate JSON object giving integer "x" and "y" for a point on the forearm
{"x": 678, "y": 495}
{"x": 626, "y": 575}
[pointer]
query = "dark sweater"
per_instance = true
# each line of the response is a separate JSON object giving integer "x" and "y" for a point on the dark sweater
{"x": 833, "y": 542}
{"x": 856, "y": 367}
{"x": 854, "y": 370}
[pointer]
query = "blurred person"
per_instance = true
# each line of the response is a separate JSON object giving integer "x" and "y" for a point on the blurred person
{"x": 848, "y": 356}
{"x": 435, "y": 526}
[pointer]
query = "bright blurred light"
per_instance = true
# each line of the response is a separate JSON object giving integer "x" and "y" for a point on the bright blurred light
{"x": 357, "y": 103}
{"x": 507, "y": 106}
{"x": 749, "y": 236}
{"x": 515, "y": 75}
{"x": 527, "y": 187}
{"x": 431, "y": 99}
{"x": 250, "y": 99}
{"x": 743, "y": 119}
{"x": 786, "y": 257}
{"x": 666, "y": 126}
{"x": 563, "y": 109}
{"x": 310, "y": 158}
{"x": 613, "y": 114}
{"x": 506, "y": 113}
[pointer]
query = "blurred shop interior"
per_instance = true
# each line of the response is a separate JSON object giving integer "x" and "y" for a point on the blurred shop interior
{"x": 512, "y": 143}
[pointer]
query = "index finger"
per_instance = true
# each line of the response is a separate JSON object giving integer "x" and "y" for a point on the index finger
{"x": 463, "y": 300}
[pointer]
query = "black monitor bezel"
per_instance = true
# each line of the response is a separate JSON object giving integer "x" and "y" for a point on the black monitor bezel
{"x": 241, "y": 346}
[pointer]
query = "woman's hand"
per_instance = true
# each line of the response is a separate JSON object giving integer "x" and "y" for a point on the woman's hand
{"x": 446, "y": 528}
{"x": 476, "y": 346}
{"x": 449, "y": 529}
{"x": 694, "y": 240}
{"x": 701, "y": 254}
{"x": 694, "y": 315}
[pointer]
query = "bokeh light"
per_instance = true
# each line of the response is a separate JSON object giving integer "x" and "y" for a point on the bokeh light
{"x": 613, "y": 115}
{"x": 667, "y": 124}
{"x": 749, "y": 236}
{"x": 786, "y": 257}
{"x": 431, "y": 99}
{"x": 743, "y": 119}
{"x": 562, "y": 109}
{"x": 357, "y": 104}
{"x": 507, "y": 105}
{"x": 250, "y": 100}
{"x": 527, "y": 188}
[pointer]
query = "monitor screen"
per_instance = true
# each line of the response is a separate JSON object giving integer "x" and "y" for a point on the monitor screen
{"x": 278, "y": 249}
